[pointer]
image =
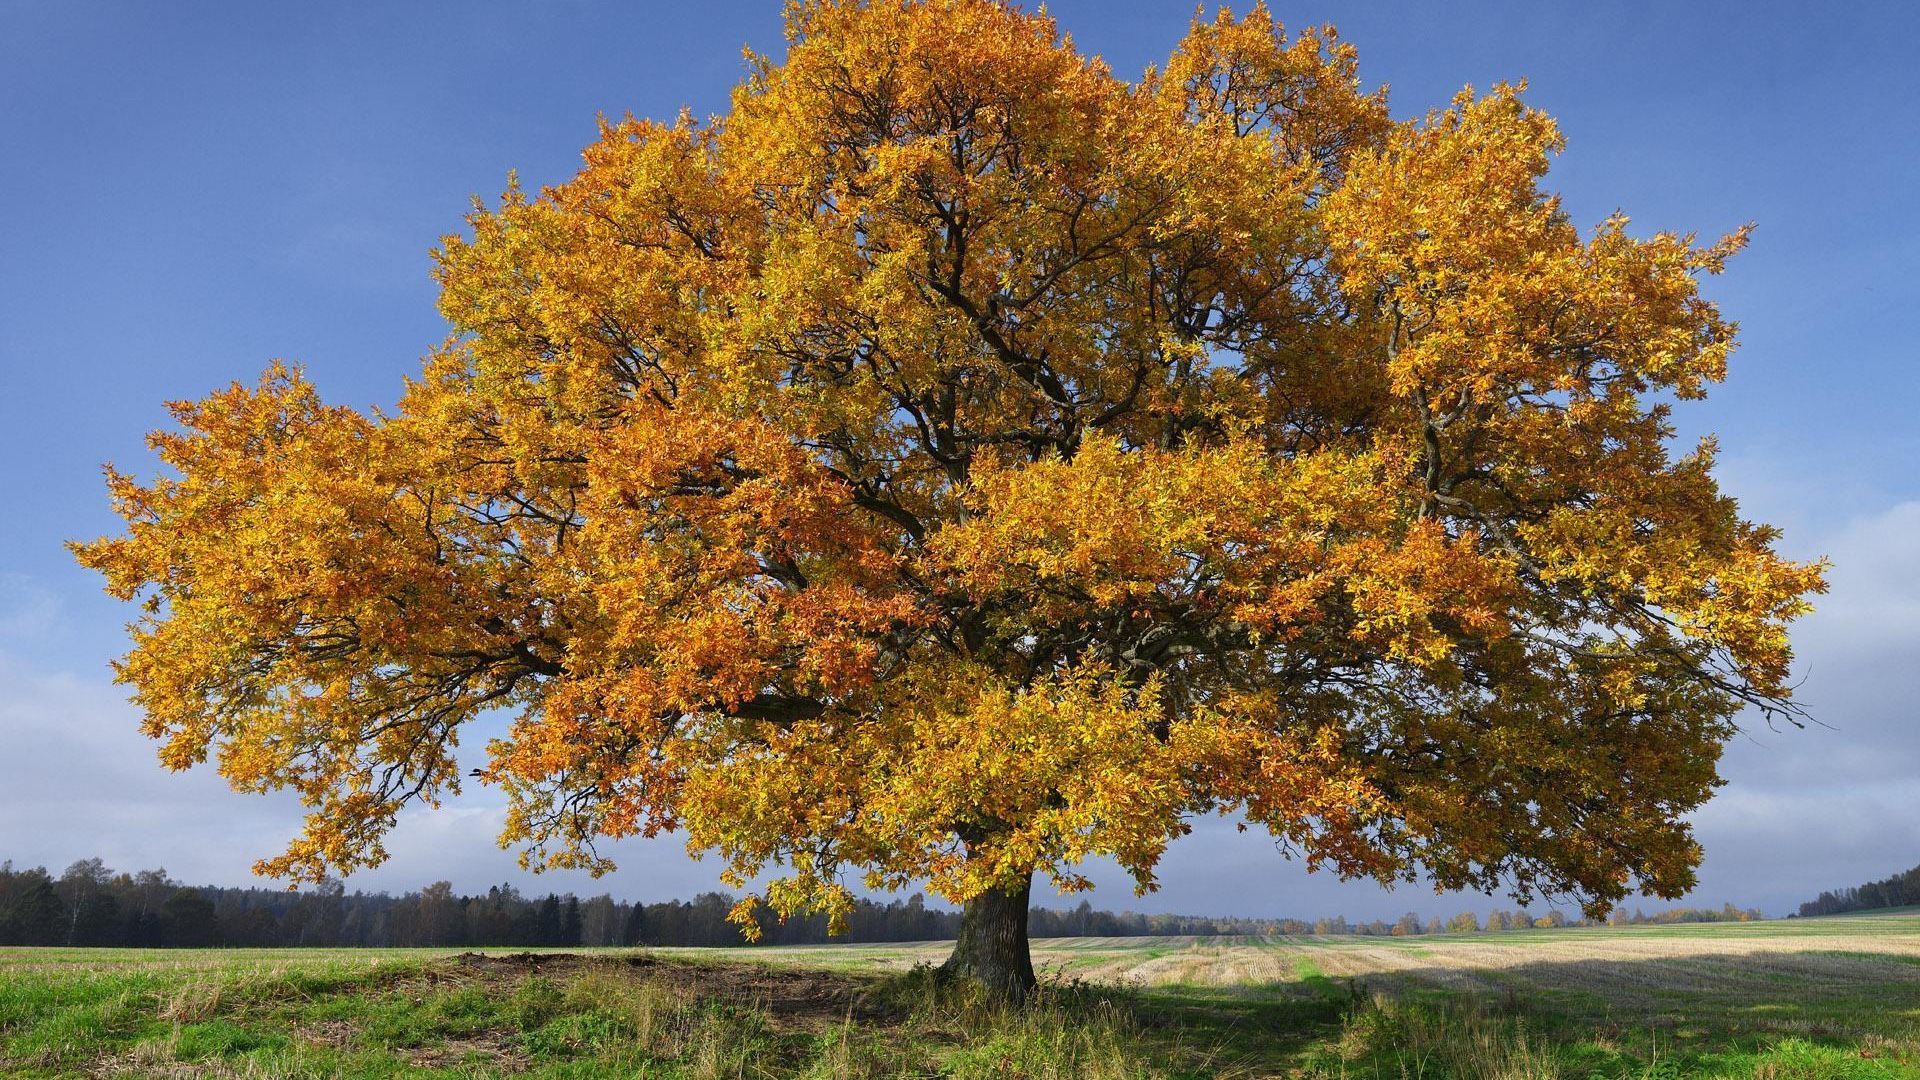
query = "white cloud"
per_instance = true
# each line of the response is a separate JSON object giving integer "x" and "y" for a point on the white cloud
{"x": 1830, "y": 805}
{"x": 1872, "y": 612}
{"x": 77, "y": 779}
{"x": 80, "y": 781}
{"x": 29, "y": 611}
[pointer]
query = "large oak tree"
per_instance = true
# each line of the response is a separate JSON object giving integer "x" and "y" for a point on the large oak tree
{"x": 957, "y": 462}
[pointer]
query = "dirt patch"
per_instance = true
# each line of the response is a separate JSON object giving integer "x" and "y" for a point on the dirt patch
{"x": 521, "y": 961}
{"x": 500, "y": 1051}
{"x": 784, "y": 993}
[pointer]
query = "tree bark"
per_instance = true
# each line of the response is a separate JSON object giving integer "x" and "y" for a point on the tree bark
{"x": 992, "y": 948}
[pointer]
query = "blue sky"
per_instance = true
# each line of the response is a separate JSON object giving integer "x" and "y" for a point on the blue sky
{"x": 192, "y": 190}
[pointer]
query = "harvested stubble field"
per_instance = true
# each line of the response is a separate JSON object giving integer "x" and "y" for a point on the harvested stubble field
{"x": 1820, "y": 998}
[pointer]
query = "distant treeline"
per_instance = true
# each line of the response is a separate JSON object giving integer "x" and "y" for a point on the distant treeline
{"x": 1900, "y": 890}
{"x": 89, "y": 904}
{"x": 1468, "y": 922}
{"x": 1669, "y": 916}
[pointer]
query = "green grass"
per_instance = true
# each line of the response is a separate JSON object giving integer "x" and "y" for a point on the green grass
{"x": 555, "y": 1016}
{"x": 1830, "y": 999}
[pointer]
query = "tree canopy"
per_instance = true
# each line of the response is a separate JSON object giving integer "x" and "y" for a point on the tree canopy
{"x": 957, "y": 462}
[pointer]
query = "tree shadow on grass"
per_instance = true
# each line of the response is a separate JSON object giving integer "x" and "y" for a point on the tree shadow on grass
{"x": 1694, "y": 1012}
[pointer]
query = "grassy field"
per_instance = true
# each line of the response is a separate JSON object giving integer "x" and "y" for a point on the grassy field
{"x": 1815, "y": 999}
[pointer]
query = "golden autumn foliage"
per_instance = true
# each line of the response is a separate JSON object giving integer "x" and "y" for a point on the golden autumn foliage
{"x": 957, "y": 462}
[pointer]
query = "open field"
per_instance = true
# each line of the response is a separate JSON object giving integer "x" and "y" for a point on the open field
{"x": 1823, "y": 998}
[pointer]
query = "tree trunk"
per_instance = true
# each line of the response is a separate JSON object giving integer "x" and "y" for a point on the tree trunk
{"x": 992, "y": 949}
